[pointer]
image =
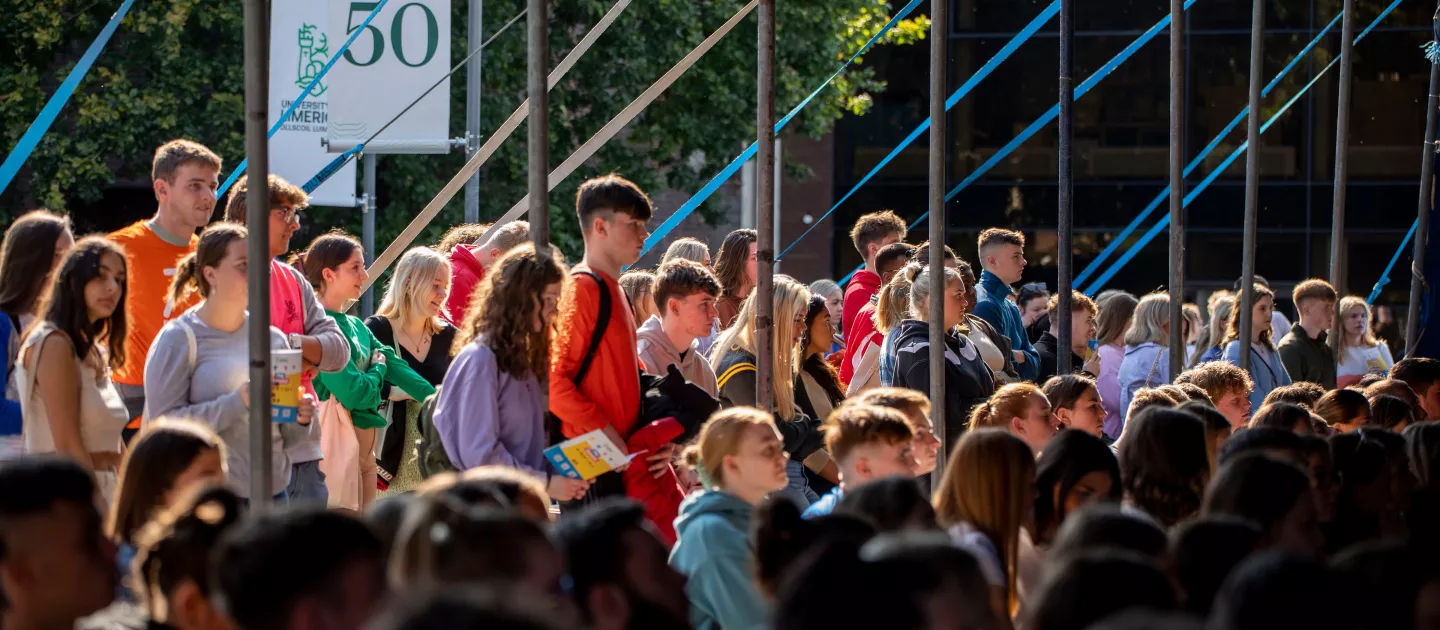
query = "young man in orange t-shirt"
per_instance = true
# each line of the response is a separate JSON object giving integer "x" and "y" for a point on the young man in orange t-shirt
{"x": 612, "y": 213}
{"x": 186, "y": 176}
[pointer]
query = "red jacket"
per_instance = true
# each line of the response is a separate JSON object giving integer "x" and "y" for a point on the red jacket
{"x": 465, "y": 274}
{"x": 661, "y": 497}
{"x": 863, "y": 328}
{"x": 862, "y": 287}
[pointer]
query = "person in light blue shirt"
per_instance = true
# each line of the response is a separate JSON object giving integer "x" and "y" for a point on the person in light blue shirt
{"x": 1002, "y": 256}
{"x": 1267, "y": 371}
{"x": 873, "y": 443}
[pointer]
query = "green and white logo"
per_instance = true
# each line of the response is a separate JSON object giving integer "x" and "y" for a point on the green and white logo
{"x": 314, "y": 54}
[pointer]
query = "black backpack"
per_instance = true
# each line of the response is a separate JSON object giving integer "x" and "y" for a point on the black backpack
{"x": 432, "y": 455}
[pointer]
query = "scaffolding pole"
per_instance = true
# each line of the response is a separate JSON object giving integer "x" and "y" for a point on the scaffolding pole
{"x": 1065, "y": 223}
{"x": 1342, "y": 159}
{"x": 1422, "y": 231}
{"x": 538, "y": 123}
{"x": 1177, "y": 187}
{"x": 939, "y": 29}
{"x": 257, "y": 196}
{"x": 1252, "y": 183}
{"x": 765, "y": 208}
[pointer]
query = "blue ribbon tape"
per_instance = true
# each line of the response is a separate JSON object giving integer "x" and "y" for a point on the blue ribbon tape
{"x": 57, "y": 101}
{"x": 729, "y": 171}
{"x": 1385, "y": 277}
{"x": 1195, "y": 163}
{"x": 1214, "y": 174}
{"x": 1049, "y": 116}
{"x": 240, "y": 170}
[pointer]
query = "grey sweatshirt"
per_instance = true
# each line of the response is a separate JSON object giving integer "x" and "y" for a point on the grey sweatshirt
{"x": 207, "y": 391}
{"x": 302, "y": 444}
{"x": 657, "y": 354}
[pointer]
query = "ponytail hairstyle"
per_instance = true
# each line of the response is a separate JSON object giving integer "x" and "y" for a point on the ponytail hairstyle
{"x": 175, "y": 547}
{"x": 504, "y": 307}
{"x": 209, "y": 252}
{"x": 893, "y": 304}
{"x": 26, "y": 264}
{"x": 920, "y": 289}
{"x": 1232, "y": 331}
{"x": 64, "y": 305}
{"x": 327, "y": 252}
{"x": 1010, "y": 401}
{"x": 720, "y": 438}
{"x": 443, "y": 541}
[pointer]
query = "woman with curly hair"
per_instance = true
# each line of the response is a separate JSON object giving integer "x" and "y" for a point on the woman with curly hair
{"x": 491, "y": 410}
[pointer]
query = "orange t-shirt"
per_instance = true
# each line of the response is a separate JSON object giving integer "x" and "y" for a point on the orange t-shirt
{"x": 610, "y": 393}
{"x": 149, "y": 267}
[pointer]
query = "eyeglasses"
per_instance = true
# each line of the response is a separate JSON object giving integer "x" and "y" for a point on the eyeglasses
{"x": 287, "y": 213}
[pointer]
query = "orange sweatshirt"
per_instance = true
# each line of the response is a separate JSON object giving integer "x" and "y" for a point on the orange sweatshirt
{"x": 149, "y": 267}
{"x": 610, "y": 393}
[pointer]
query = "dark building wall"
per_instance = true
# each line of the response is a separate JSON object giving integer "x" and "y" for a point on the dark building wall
{"x": 1121, "y": 138}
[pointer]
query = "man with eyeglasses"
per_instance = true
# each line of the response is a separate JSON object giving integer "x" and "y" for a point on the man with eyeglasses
{"x": 296, "y": 311}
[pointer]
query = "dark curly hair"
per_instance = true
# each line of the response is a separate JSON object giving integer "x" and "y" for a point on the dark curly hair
{"x": 64, "y": 305}
{"x": 504, "y": 307}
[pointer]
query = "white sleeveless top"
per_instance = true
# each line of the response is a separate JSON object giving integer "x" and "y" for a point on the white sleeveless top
{"x": 102, "y": 411}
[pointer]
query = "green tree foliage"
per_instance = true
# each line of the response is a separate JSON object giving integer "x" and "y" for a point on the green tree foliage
{"x": 174, "y": 70}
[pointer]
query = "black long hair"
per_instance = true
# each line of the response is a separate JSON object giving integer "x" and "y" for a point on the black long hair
{"x": 64, "y": 306}
{"x": 1068, "y": 457}
{"x": 815, "y": 365}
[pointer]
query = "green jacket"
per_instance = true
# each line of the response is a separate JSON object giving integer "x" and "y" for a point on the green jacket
{"x": 358, "y": 386}
{"x": 1308, "y": 359}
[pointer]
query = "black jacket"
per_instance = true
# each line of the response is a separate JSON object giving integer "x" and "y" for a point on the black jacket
{"x": 967, "y": 379}
{"x": 1048, "y": 346}
{"x": 735, "y": 375}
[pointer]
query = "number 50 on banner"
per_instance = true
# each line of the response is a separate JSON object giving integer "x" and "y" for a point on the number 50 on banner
{"x": 400, "y": 54}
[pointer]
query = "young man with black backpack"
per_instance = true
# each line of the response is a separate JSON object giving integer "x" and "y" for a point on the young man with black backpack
{"x": 595, "y": 370}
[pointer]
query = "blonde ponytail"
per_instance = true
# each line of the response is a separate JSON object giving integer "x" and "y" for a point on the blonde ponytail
{"x": 894, "y": 303}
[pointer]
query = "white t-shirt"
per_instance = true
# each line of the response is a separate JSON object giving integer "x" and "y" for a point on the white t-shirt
{"x": 1361, "y": 360}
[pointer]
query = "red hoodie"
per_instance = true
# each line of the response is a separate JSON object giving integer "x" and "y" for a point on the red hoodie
{"x": 661, "y": 497}
{"x": 862, "y": 287}
{"x": 465, "y": 274}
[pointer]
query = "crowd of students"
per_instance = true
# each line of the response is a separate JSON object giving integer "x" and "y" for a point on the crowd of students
{"x": 417, "y": 493}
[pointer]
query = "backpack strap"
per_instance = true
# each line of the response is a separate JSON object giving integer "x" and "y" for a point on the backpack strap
{"x": 602, "y": 321}
{"x": 191, "y": 346}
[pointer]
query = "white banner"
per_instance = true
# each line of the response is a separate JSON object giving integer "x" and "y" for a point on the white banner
{"x": 399, "y": 55}
{"x": 299, "y": 48}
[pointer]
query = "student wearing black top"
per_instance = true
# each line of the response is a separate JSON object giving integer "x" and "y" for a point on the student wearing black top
{"x": 409, "y": 320}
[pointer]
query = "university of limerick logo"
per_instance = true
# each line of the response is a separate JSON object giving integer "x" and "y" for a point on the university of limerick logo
{"x": 314, "y": 54}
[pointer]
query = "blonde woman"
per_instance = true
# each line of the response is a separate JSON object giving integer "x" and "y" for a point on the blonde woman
{"x": 985, "y": 498}
{"x": 639, "y": 288}
{"x": 734, "y": 363}
{"x": 692, "y": 249}
{"x": 1147, "y": 352}
{"x": 739, "y": 461}
{"x": 1360, "y": 352}
{"x": 1220, "y": 309}
{"x": 1267, "y": 372}
{"x": 968, "y": 380}
{"x": 410, "y": 320}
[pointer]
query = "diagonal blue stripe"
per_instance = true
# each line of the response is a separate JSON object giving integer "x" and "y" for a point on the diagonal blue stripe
{"x": 1050, "y": 116}
{"x": 729, "y": 171}
{"x": 1385, "y": 277}
{"x": 1165, "y": 220}
{"x": 239, "y": 170}
{"x": 1195, "y": 163}
{"x": 57, "y": 101}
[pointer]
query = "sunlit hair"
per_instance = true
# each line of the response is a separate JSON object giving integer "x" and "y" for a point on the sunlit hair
{"x": 791, "y": 298}
{"x": 1148, "y": 325}
{"x": 1065, "y": 390}
{"x": 152, "y": 463}
{"x": 892, "y": 305}
{"x": 176, "y": 546}
{"x": 504, "y": 309}
{"x": 1220, "y": 311}
{"x": 1340, "y": 406}
{"x": 637, "y": 285}
{"x": 26, "y": 264}
{"x": 990, "y": 484}
{"x": 1010, "y": 401}
{"x": 719, "y": 438}
{"x": 65, "y": 308}
{"x": 1114, "y": 317}
{"x": 409, "y": 288}
{"x": 731, "y": 261}
{"x": 463, "y": 234}
{"x": 920, "y": 288}
{"x": 691, "y": 249}
{"x": 1232, "y": 330}
{"x": 1366, "y": 338}
{"x": 1218, "y": 378}
{"x": 210, "y": 251}
{"x": 330, "y": 251}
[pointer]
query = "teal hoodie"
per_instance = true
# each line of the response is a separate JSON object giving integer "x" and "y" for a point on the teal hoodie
{"x": 714, "y": 552}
